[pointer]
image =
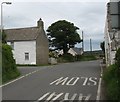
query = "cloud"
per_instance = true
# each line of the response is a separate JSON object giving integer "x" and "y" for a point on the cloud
{"x": 58, "y": 0}
{"x": 88, "y": 16}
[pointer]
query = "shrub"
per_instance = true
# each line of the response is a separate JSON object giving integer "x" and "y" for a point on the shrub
{"x": 117, "y": 62}
{"x": 66, "y": 58}
{"x": 87, "y": 57}
{"x": 9, "y": 70}
{"x": 111, "y": 80}
{"x": 110, "y": 73}
{"x": 117, "y": 57}
{"x": 113, "y": 89}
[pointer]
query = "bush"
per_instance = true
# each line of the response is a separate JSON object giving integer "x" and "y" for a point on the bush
{"x": 113, "y": 89}
{"x": 117, "y": 57}
{"x": 70, "y": 58}
{"x": 110, "y": 73}
{"x": 9, "y": 70}
{"x": 66, "y": 58}
{"x": 87, "y": 58}
{"x": 117, "y": 62}
{"x": 111, "y": 80}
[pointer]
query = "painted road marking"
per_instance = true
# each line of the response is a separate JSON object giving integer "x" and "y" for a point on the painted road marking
{"x": 81, "y": 97}
{"x": 19, "y": 78}
{"x": 41, "y": 98}
{"x": 99, "y": 90}
{"x": 99, "y": 84}
{"x": 66, "y": 96}
{"x": 85, "y": 80}
{"x": 74, "y": 79}
{"x": 90, "y": 81}
{"x": 60, "y": 80}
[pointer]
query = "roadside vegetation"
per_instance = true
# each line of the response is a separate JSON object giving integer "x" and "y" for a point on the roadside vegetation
{"x": 63, "y": 35}
{"x": 112, "y": 79}
{"x": 69, "y": 58}
{"x": 9, "y": 69}
{"x": 86, "y": 56}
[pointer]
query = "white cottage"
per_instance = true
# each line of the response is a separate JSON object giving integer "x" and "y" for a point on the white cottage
{"x": 30, "y": 45}
{"x": 73, "y": 51}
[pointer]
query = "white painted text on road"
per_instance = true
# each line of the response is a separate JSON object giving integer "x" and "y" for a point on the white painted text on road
{"x": 90, "y": 81}
{"x": 64, "y": 96}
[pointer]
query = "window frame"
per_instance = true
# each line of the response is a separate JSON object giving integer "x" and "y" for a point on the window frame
{"x": 27, "y": 56}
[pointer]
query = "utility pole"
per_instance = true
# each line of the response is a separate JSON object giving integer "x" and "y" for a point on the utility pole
{"x": 82, "y": 41}
{"x": 8, "y": 3}
{"x": 91, "y": 46}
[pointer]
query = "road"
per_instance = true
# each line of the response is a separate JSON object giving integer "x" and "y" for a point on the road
{"x": 69, "y": 81}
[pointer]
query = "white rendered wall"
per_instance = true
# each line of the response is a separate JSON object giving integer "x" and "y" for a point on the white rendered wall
{"x": 22, "y": 47}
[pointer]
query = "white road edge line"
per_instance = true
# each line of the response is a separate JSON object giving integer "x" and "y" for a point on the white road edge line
{"x": 99, "y": 90}
{"x": 99, "y": 84}
{"x": 19, "y": 78}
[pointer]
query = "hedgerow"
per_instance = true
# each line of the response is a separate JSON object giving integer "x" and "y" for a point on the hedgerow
{"x": 112, "y": 79}
{"x": 9, "y": 70}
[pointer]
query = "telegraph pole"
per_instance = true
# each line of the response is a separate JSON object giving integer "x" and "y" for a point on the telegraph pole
{"x": 91, "y": 46}
{"x": 8, "y": 3}
{"x": 82, "y": 41}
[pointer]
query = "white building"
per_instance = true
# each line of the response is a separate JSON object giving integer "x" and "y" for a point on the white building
{"x": 73, "y": 51}
{"x": 30, "y": 45}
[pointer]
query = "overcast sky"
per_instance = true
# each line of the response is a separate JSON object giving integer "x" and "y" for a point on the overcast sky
{"x": 88, "y": 15}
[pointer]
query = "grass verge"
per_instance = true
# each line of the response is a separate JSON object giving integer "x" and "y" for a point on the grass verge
{"x": 111, "y": 82}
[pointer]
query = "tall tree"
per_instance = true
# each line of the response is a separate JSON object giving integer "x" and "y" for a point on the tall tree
{"x": 63, "y": 35}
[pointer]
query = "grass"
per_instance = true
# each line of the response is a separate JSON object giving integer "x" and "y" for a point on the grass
{"x": 10, "y": 76}
{"x": 69, "y": 58}
{"x": 111, "y": 82}
{"x": 87, "y": 58}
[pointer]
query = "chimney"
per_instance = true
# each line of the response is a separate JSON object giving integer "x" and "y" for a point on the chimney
{"x": 40, "y": 23}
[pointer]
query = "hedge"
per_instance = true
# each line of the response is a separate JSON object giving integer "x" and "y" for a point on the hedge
{"x": 111, "y": 82}
{"x": 9, "y": 69}
{"x": 112, "y": 79}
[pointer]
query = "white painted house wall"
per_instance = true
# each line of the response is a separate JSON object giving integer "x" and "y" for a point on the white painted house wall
{"x": 22, "y": 47}
{"x": 71, "y": 51}
{"x": 111, "y": 35}
{"x": 110, "y": 55}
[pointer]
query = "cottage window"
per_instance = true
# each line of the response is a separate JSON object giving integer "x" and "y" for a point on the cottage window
{"x": 26, "y": 56}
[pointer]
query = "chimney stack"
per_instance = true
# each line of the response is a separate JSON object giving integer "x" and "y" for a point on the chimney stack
{"x": 40, "y": 23}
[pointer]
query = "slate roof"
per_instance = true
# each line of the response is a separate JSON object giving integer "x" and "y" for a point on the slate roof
{"x": 22, "y": 34}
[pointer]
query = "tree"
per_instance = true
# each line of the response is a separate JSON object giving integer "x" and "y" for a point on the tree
{"x": 9, "y": 68}
{"x": 63, "y": 35}
{"x": 102, "y": 45}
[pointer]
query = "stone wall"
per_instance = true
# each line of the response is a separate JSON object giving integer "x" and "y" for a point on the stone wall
{"x": 42, "y": 48}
